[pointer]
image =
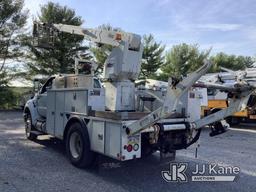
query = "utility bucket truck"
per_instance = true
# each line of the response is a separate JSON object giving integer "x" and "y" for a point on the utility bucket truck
{"x": 218, "y": 99}
{"x": 113, "y": 119}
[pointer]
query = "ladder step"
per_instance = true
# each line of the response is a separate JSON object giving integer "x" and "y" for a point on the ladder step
{"x": 37, "y": 133}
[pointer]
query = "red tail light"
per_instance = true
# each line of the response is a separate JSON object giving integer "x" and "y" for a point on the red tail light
{"x": 129, "y": 148}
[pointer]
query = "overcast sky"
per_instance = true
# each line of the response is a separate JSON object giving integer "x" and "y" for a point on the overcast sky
{"x": 224, "y": 25}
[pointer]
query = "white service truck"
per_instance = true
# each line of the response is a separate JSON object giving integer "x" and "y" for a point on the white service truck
{"x": 112, "y": 119}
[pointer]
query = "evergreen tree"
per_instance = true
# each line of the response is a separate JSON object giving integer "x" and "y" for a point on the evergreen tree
{"x": 60, "y": 57}
{"x": 152, "y": 58}
{"x": 12, "y": 22}
{"x": 232, "y": 62}
{"x": 182, "y": 59}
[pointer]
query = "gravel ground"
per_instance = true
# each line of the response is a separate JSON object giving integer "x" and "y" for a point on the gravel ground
{"x": 42, "y": 165}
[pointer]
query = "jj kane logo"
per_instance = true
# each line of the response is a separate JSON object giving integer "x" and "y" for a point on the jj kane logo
{"x": 178, "y": 172}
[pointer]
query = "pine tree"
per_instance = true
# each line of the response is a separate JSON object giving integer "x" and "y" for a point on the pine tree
{"x": 232, "y": 62}
{"x": 12, "y": 22}
{"x": 152, "y": 58}
{"x": 60, "y": 57}
{"x": 183, "y": 59}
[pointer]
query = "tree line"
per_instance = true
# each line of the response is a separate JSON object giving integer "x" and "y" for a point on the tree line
{"x": 157, "y": 63}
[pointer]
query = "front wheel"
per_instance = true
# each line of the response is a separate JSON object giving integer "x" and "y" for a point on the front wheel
{"x": 29, "y": 127}
{"x": 78, "y": 146}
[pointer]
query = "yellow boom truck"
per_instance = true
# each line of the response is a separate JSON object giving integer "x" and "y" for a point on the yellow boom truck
{"x": 218, "y": 99}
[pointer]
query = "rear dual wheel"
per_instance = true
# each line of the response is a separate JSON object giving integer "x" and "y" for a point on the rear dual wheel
{"x": 78, "y": 146}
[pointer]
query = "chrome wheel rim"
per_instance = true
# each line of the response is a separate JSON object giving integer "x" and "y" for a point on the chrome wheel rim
{"x": 75, "y": 145}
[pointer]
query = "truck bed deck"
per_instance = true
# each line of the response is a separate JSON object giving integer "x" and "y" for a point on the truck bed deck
{"x": 118, "y": 115}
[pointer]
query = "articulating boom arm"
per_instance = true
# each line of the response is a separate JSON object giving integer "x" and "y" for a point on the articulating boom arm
{"x": 108, "y": 37}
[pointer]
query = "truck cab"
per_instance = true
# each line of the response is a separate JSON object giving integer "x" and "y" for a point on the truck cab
{"x": 36, "y": 107}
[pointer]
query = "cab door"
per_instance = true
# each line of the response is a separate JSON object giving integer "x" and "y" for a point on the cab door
{"x": 41, "y": 99}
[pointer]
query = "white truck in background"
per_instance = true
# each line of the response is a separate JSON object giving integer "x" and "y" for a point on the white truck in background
{"x": 113, "y": 120}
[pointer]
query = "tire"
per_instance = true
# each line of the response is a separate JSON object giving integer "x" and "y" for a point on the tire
{"x": 78, "y": 146}
{"x": 233, "y": 121}
{"x": 29, "y": 127}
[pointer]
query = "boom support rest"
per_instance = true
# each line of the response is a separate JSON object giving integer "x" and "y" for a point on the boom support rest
{"x": 172, "y": 98}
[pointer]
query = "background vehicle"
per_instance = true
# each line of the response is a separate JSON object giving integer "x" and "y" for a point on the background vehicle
{"x": 219, "y": 99}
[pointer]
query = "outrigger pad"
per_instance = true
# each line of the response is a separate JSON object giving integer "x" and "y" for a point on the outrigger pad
{"x": 217, "y": 128}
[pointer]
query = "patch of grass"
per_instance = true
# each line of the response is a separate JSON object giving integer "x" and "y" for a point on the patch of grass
{"x": 10, "y": 97}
